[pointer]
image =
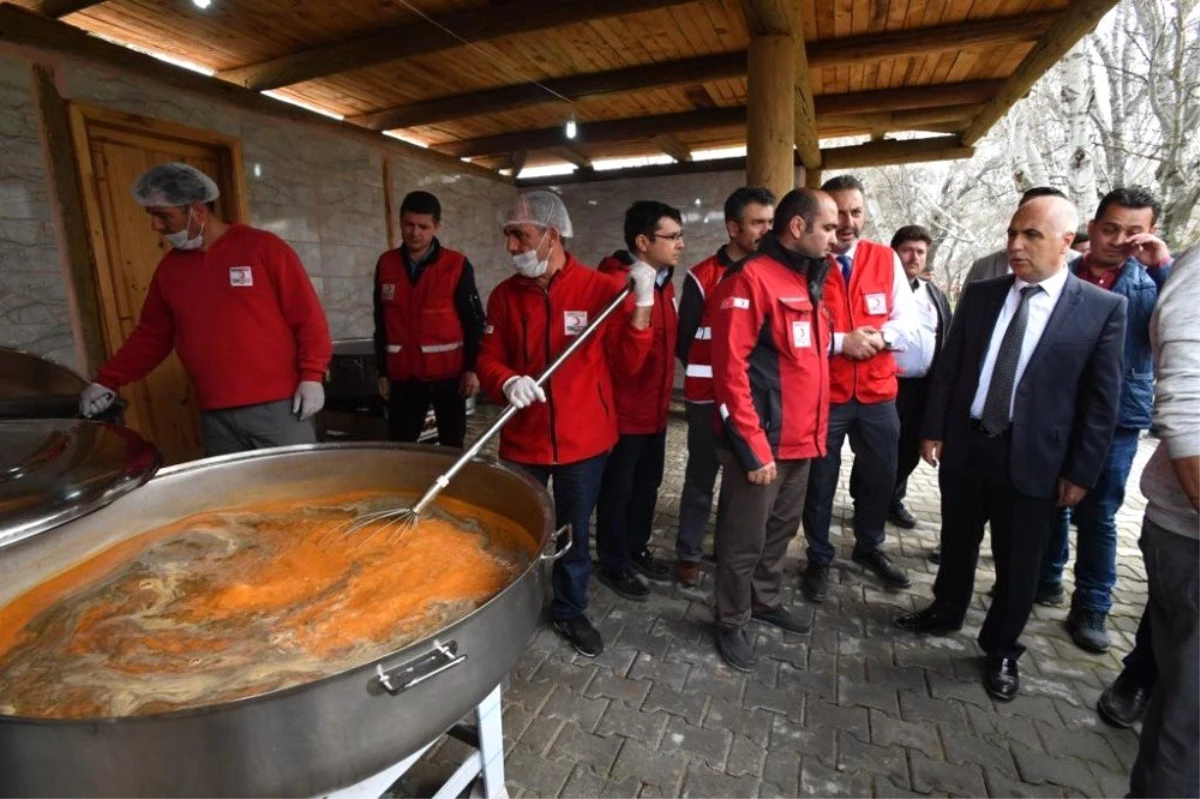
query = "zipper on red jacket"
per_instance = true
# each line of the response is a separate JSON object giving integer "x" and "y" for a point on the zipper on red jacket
{"x": 549, "y": 392}
{"x": 821, "y": 404}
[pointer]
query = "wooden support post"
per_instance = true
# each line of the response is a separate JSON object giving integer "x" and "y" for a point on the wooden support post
{"x": 812, "y": 178}
{"x": 391, "y": 209}
{"x": 771, "y": 115}
{"x": 72, "y": 220}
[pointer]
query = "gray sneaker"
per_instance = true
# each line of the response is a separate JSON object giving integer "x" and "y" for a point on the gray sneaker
{"x": 1087, "y": 629}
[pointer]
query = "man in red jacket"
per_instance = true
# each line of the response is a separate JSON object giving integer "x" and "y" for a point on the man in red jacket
{"x": 629, "y": 490}
{"x": 238, "y": 307}
{"x": 748, "y": 214}
{"x": 771, "y": 377}
{"x": 566, "y": 428}
{"x": 874, "y": 314}
{"x": 428, "y": 321}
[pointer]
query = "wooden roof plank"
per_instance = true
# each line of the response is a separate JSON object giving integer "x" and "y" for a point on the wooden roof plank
{"x": 1080, "y": 17}
{"x": 57, "y": 9}
{"x": 413, "y": 38}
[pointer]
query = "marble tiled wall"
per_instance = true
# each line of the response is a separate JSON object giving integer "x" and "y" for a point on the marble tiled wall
{"x": 321, "y": 192}
{"x": 34, "y": 308}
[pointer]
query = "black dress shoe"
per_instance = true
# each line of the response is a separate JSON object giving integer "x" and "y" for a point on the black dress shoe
{"x": 779, "y": 617}
{"x": 627, "y": 584}
{"x": 1124, "y": 702}
{"x": 735, "y": 649}
{"x": 651, "y": 567}
{"x": 878, "y": 562}
{"x": 1001, "y": 679}
{"x": 928, "y": 621}
{"x": 815, "y": 582}
{"x": 582, "y": 635}
{"x": 899, "y": 516}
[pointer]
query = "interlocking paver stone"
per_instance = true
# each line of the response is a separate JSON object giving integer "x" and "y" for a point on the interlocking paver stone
{"x": 857, "y": 706}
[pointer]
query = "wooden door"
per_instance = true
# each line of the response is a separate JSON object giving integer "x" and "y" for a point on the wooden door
{"x": 115, "y": 151}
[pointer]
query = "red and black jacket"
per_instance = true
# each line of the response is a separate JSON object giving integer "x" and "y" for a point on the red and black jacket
{"x": 771, "y": 341}
{"x": 428, "y": 318}
{"x": 694, "y": 346}
{"x": 527, "y": 327}
{"x": 867, "y": 301}
{"x": 644, "y": 398}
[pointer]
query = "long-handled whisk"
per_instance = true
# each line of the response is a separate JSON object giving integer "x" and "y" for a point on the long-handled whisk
{"x": 398, "y": 521}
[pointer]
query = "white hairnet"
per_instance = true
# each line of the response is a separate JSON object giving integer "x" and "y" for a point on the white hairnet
{"x": 174, "y": 184}
{"x": 542, "y": 208}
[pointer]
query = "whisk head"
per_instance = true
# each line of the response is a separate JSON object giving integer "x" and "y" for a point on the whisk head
{"x": 395, "y": 522}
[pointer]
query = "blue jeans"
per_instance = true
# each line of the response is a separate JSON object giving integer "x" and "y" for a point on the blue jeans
{"x": 1096, "y": 539}
{"x": 576, "y": 486}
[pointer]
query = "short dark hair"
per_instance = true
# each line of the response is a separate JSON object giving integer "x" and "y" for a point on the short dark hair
{"x": 1081, "y": 236}
{"x": 843, "y": 183}
{"x": 801, "y": 203}
{"x": 911, "y": 233}
{"x": 1133, "y": 197}
{"x": 1041, "y": 191}
{"x": 735, "y": 204}
{"x": 422, "y": 202}
{"x": 643, "y": 217}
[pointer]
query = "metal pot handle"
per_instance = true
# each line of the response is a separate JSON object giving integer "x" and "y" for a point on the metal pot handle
{"x": 411, "y": 674}
{"x": 553, "y": 556}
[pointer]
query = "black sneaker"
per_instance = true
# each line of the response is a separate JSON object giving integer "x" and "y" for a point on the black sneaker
{"x": 878, "y": 562}
{"x": 1052, "y": 596}
{"x": 1087, "y": 629}
{"x": 628, "y": 585}
{"x": 779, "y": 617}
{"x": 735, "y": 649}
{"x": 651, "y": 567}
{"x": 899, "y": 516}
{"x": 582, "y": 635}
{"x": 815, "y": 582}
{"x": 1124, "y": 702}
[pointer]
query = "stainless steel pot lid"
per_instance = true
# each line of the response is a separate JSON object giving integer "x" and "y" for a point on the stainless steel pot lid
{"x": 56, "y": 470}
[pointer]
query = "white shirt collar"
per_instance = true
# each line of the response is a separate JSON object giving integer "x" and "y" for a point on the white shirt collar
{"x": 1053, "y": 286}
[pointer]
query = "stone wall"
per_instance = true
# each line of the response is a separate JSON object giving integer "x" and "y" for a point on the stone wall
{"x": 320, "y": 191}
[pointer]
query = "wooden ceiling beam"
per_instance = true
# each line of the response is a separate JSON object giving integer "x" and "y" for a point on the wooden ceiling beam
{"x": 854, "y": 157}
{"x": 673, "y": 147}
{"x": 1072, "y": 24}
{"x": 572, "y": 155}
{"x": 420, "y": 37}
{"x": 57, "y": 9}
{"x": 592, "y": 85}
{"x": 619, "y": 130}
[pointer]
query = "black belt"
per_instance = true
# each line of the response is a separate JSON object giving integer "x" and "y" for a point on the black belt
{"x": 977, "y": 427}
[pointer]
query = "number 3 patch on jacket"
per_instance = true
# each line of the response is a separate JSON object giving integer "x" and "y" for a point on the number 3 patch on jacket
{"x": 876, "y": 304}
{"x": 801, "y": 334}
{"x": 241, "y": 276}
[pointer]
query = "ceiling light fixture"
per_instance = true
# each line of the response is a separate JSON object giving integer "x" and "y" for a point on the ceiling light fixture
{"x": 202, "y": 4}
{"x": 572, "y": 129}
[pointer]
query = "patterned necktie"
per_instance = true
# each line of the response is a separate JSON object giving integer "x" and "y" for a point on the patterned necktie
{"x": 845, "y": 261}
{"x": 996, "y": 406}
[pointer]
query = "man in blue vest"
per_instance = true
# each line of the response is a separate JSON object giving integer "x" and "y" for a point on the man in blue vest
{"x": 1126, "y": 258}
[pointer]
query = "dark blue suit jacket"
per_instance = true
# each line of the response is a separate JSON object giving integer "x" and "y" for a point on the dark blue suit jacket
{"x": 1065, "y": 408}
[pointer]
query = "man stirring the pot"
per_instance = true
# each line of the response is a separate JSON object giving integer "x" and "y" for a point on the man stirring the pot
{"x": 238, "y": 307}
{"x": 566, "y": 427}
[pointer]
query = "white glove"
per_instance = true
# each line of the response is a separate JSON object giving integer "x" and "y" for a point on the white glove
{"x": 308, "y": 400}
{"x": 95, "y": 399}
{"x": 643, "y": 276}
{"x": 523, "y": 391}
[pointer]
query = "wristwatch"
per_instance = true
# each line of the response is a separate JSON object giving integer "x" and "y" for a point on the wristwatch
{"x": 889, "y": 338}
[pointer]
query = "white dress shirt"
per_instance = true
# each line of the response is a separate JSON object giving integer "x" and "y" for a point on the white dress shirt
{"x": 1041, "y": 305}
{"x": 903, "y": 318}
{"x": 917, "y": 358}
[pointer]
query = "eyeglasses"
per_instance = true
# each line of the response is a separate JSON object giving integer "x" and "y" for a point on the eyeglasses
{"x": 668, "y": 236}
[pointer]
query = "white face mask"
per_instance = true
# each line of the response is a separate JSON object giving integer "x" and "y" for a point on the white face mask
{"x": 179, "y": 239}
{"x": 527, "y": 263}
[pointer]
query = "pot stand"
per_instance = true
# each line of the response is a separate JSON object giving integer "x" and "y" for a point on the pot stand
{"x": 487, "y": 761}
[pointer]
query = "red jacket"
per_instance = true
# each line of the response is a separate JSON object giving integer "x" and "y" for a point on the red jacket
{"x": 644, "y": 399}
{"x": 527, "y": 326}
{"x": 242, "y": 315}
{"x": 424, "y": 335}
{"x": 770, "y": 361}
{"x": 697, "y": 353}
{"x": 868, "y": 302}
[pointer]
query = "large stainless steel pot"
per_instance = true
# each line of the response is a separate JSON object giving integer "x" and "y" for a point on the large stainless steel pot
{"x": 305, "y": 740}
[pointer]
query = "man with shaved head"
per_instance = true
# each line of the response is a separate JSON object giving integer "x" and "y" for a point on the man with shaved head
{"x": 1020, "y": 417}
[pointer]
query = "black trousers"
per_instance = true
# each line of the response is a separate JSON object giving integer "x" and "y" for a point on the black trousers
{"x": 408, "y": 402}
{"x": 628, "y": 495}
{"x": 910, "y": 407}
{"x": 974, "y": 494}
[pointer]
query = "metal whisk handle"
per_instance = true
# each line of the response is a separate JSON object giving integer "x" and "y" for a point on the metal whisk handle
{"x": 444, "y": 480}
